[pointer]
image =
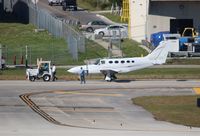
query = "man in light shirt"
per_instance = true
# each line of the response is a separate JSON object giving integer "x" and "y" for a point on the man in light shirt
{"x": 82, "y": 75}
{"x": 54, "y": 73}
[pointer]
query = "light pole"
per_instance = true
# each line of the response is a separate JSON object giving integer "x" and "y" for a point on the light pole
{"x": 36, "y": 12}
{"x": 0, "y": 56}
{"x": 97, "y": 4}
{"x": 26, "y": 62}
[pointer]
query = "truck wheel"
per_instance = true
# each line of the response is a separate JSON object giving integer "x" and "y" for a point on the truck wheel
{"x": 50, "y": 4}
{"x": 32, "y": 78}
{"x": 46, "y": 78}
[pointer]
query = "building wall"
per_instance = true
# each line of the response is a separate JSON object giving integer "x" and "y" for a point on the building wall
{"x": 150, "y": 17}
{"x": 138, "y": 18}
{"x": 1, "y": 9}
{"x": 14, "y": 11}
{"x": 9, "y": 4}
{"x": 160, "y": 14}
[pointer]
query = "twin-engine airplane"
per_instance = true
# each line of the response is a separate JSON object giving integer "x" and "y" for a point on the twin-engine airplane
{"x": 111, "y": 66}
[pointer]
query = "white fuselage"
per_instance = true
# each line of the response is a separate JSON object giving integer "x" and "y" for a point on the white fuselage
{"x": 110, "y": 67}
{"x": 120, "y": 65}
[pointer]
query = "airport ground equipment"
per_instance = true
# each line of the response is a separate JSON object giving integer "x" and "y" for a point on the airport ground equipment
{"x": 173, "y": 41}
{"x": 156, "y": 38}
{"x": 43, "y": 71}
{"x": 189, "y": 39}
{"x": 69, "y": 4}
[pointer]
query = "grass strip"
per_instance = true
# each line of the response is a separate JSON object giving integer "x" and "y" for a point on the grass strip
{"x": 113, "y": 17}
{"x": 149, "y": 73}
{"x": 15, "y": 37}
{"x": 176, "y": 109}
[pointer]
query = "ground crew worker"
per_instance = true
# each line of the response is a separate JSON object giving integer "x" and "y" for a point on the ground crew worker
{"x": 82, "y": 75}
{"x": 3, "y": 63}
{"x": 54, "y": 73}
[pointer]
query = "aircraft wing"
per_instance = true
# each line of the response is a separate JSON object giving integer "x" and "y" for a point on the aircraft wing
{"x": 109, "y": 71}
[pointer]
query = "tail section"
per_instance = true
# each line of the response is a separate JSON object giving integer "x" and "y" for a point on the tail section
{"x": 159, "y": 55}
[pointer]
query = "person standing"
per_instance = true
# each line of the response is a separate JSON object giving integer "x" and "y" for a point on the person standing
{"x": 3, "y": 63}
{"x": 82, "y": 75}
{"x": 54, "y": 73}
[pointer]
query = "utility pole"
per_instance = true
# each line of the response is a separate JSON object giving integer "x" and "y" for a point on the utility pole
{"x": 26, "y": 63}
{"x": 0, "y": 56}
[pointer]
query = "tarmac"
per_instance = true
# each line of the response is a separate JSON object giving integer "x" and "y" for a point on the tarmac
{"x": 96, "y": 108}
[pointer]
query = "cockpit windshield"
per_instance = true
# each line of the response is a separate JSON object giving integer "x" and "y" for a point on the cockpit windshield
{"x": 97, "y": 62}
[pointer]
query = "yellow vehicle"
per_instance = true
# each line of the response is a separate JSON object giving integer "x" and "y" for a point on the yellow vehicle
{"x": 189, "y": 32}
{"x": 189, "y": 37}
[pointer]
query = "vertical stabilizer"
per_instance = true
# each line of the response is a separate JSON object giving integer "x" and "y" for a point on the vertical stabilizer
{"x": 159, "y": 55}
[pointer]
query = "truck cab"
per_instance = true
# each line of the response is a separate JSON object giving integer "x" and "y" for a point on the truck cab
{"x": 69, "y": 4}
{"x": 189, "y": 32}
{"x": 55, "y": 2}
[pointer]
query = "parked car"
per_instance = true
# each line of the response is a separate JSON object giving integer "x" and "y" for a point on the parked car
{"x": 92, "y": 25}
{"x": 112, "y": 31}
{"x": 52, "y": 2}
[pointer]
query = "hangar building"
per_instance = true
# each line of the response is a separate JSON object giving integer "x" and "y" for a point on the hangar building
{"x": 150, "y": 16}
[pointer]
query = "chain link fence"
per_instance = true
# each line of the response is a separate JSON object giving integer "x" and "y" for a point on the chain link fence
{"x": 59, "y": 56}
{"x": 58, "y": 27}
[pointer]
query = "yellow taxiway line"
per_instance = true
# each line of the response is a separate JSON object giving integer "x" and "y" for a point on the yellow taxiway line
{"x": 91, "y": 94}
{"x": 197, "y": 90}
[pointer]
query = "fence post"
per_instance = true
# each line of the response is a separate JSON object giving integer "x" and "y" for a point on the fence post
{"x": 0, "y": 56}
{"x": 26, "y": 57}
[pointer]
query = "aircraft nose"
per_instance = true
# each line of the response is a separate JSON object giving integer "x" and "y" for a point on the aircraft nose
{"x": 72, "y": 70}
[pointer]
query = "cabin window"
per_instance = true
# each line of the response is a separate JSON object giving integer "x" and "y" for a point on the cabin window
{"x": 103, "y": 62}
{"x": 110, "y": 62}
{"x": 128, "y": 61}
{"x": 122, "y": 61}
{"x": 116, "y": 61}
{"x": 133, "y": 61}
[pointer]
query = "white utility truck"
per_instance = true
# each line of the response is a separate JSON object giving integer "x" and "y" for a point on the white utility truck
{"x": 43, "y": 71}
